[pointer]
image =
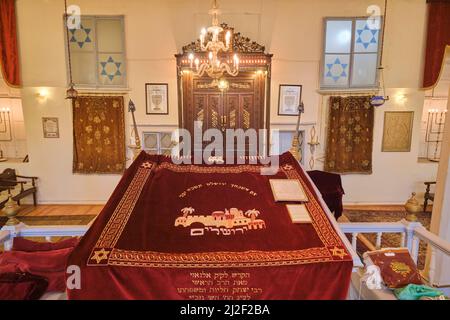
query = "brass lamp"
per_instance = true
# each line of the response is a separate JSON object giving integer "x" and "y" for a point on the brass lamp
{"x": 10, "y": 210}
{"x": 412, "y": 206}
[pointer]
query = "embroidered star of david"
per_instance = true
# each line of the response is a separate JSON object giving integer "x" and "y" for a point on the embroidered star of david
{"x": 334, "y": 72}
{"x": 84, "y": 31}
{"x": 288, "y": 167}
{"x": 115, "y": 72}
{"x": 100, "y": 255}
{"x": 338, "y": 252}
{"x": 146, "y": 165}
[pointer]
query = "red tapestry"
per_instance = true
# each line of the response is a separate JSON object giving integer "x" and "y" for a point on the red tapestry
{"x": 9, "y": 53}
{"x": 438, "y": 40}
{"x": 209, "y": 232}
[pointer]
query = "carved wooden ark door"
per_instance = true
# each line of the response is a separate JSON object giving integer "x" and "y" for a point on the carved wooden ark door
{"x": 241, "y": 106}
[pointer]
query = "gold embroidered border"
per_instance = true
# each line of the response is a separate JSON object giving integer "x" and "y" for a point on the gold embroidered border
{"x": 319, "y": 220}
{"x": 218, "y": 259}
{"x": 210, "y": 169}
{"x": 113, "y": 229}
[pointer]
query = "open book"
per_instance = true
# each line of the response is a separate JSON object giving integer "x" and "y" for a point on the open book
{"x": 288, "y": 190}
{"x": 299, "y": 213}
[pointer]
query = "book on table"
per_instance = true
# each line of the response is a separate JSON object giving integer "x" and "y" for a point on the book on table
{"x": 298, "y": 213}
{"x": 288, "y": 190}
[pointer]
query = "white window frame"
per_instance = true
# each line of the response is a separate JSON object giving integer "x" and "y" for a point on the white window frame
{"x": 98, "y": 85}
{"x": 352, "y": 54}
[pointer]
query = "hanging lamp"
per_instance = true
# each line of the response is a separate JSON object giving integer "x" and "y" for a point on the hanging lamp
{"x": 379, "y": 100}
{"x": 71, "y": 92}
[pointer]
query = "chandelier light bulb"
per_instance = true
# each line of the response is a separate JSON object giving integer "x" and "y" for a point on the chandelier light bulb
{"x": 236, "y": 61}
{"x": 197, "y": 62}
{"x": 202, "y": 36}
{"x": 227, "y": 38}
{"x": 216, "y": 34}
{"x": 191, "y": 59}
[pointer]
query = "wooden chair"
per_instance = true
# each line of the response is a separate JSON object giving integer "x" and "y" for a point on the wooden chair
{"x": 9, "y": 182}
{"x": 428, "y": 195}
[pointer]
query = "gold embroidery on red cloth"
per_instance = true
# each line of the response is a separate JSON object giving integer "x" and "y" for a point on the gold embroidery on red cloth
{"x": 205, "y": 169}
{"x": 100, "y": 255}
{"x": 211, "y": 184}
{"x": 338, "y": 252}
{"x": 400, "y": 267}
{"x": 119, "y": 218}
{"x": 120, "y": 257}
{"x": 225, "y": 223}
{"x": 113, "y": 230}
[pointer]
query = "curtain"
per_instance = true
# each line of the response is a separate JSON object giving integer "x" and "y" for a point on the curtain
{"x": 98, "y": 135}
{"x": 350, "y": 135}
{"x": 438, "y": 39}
{"x": 9, "y": 53}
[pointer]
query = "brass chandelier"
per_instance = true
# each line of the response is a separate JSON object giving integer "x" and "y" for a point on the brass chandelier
{"x": 213, "y": 66}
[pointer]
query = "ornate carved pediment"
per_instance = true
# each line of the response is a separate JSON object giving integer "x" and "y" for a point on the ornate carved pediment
{"x": 239, "y": 42}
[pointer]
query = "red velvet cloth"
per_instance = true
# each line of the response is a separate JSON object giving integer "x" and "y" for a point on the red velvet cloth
{"x": 171, "y": 232}
{"x": 330, "y": 186}
{"x": 21, "y": 286}
{"x": 9, "y": 52}
{"x": 48, "y": 264}
{"x": 22, "y": 244}
{"x": 438, "y": 37}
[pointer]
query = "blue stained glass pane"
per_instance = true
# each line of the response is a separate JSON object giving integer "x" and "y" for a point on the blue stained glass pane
{"x": 111, "y": 69}
{"x": 336, "y": 70}
{"x": 367, "y": 35}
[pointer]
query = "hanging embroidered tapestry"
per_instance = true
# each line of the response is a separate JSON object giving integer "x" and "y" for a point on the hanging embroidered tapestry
{"x": 98, "y": 135}
{"x": 350, "y": 135}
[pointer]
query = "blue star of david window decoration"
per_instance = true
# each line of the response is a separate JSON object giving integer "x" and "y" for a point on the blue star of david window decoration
{"x": 115, "y": 70}
{"x": 367, "y": 36}
{"x": 85, "y": 33}
{"x": 336, "y": 70}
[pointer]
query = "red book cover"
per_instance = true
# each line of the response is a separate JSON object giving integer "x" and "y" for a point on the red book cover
{"x": 396, "y": 266}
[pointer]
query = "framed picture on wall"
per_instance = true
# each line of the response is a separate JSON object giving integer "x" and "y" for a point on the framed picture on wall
{"x": 289, "y": 98}
{"x": 397, "y": 131}
{"x": 51, "y": 127}
{"x": 156, "y": 98}
{"x": 158, "y": 142}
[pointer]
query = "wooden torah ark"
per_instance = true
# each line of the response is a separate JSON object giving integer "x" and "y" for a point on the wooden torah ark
{"x": 244, "y": 105}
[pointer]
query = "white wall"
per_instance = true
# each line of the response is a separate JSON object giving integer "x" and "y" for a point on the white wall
{"x": 156, "y": 30}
